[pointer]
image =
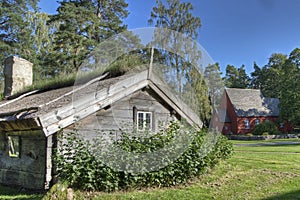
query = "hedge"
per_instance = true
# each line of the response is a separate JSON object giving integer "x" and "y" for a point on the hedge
{"x": 80, "y": 167}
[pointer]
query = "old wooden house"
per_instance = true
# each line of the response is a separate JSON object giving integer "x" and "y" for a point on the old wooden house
{"x": 29, "y": 123}
{"x": 242, "y": 109}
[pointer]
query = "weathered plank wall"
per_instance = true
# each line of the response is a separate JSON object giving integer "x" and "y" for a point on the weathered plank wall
{"x": 119, "y": 116}
{"x": 28, "y": 170}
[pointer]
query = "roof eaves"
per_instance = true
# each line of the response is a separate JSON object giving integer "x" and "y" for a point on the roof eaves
{"x": 69, "y": 114}
{"x": 178, "y": 105}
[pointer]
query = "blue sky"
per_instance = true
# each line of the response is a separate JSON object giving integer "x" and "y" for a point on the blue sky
{"x": 233, "y": 32}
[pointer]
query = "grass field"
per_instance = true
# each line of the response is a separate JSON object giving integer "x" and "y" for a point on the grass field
{"x": 265, "y": 171}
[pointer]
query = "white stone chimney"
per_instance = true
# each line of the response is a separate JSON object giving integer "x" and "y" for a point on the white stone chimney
{"x": 17, "y": 74}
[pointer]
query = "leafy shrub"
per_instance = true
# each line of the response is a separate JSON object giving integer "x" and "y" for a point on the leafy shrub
{"x": 78, "y": 166}
{"x": 269, "y": 127}
{"x": 265, "y": 133}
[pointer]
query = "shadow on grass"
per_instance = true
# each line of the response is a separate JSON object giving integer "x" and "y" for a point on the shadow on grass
{"x": 274, "y": 144}
{"x": 287, "y": 196}
{"x": 16, "y": 194}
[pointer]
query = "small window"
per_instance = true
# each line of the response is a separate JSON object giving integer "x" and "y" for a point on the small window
{"x": 281, "y": 125}
{"x": 144, "y": 121}
{"x": 14, "y": 146}
{"x": 247, "y": 124}
{"x": 257, "y": 121}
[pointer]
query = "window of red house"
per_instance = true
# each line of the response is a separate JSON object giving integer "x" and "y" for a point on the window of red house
{"x": 247, "y": 124}
{"x": 257, "y": 121}
{"x": 281, "y": 125}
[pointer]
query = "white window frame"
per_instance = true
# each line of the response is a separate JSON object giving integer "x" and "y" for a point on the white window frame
{"x": 144, "y": 127}
{"x": 257, "y": 121}
{"x": 247, "y": 124}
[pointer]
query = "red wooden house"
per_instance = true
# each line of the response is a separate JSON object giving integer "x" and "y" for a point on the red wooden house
{"x": 242, "y": 109}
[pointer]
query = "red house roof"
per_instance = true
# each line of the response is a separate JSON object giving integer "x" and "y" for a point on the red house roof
{"x": 251, "y": 102}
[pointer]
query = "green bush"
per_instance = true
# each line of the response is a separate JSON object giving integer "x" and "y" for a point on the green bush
{"x": 266, "y": 127}
{"x": 78, "y": 166}
{"x": 265, "y": 133}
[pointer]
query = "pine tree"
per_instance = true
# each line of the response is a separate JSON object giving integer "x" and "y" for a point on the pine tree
{"x": 267, "y": 78}
{"x": 15, "y": 34}
{"x": 83, "y": 24}
{"x": 255, "y": 82}
{"x": 237, "y": 77}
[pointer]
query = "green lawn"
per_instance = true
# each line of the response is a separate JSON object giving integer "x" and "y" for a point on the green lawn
{"x": 253, "y": 172}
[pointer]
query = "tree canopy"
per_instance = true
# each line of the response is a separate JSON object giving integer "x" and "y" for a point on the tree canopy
{"x": 179, "y": 30}
{"x": 82, "y": 26}
{"x": 289, "y": 92}
{"x": 236, "y": 77}
{"x": 15, "y": 32}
